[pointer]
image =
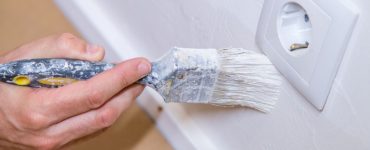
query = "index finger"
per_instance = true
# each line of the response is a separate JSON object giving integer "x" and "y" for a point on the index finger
{"x": 83, "y": 96}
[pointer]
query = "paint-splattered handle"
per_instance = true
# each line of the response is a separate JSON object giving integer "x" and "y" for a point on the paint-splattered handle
{"x": 50, "y": 72}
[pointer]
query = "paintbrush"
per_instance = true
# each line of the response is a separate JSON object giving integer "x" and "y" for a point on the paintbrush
{"x": 226, "y": 77}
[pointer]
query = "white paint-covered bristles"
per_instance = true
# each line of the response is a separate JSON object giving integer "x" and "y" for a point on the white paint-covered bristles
{"x": 246, "y": 78}
{"x": 222, "y": 77}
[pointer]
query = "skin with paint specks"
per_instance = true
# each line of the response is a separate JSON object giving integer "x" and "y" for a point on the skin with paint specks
{"x": 46, "y": 118}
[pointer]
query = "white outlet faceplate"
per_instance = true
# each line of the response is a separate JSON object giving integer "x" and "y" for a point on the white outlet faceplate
{"x": 323, "y": 26}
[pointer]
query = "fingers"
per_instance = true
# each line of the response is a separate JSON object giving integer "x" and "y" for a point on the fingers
{"x": 83, "y": 96}
{"x": 64, "y": 45}
{"x": 58, "y": 46}
{"x": 83, "y": 107}
{"x": 95, "y": 120}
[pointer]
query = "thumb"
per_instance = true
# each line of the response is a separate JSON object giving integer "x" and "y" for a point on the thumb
{"x": 64, "y": 45}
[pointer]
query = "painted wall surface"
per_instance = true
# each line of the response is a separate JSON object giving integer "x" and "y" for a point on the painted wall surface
{"x": 153, "y": 26}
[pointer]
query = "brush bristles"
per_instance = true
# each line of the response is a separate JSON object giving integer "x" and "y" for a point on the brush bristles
{"x": 247, "y": 79}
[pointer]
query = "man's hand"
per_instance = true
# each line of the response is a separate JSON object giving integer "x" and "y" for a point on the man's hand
{"x": 49, "y": 118}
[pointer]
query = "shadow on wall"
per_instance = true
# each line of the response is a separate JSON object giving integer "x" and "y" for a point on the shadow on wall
{"x": 165, "y": 24}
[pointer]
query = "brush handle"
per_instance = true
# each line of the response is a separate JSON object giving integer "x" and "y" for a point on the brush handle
{"x": 51, "y": 72}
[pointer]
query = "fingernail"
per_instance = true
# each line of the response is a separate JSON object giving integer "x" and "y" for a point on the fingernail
{"x": 92, "y": 49}
{"x": 144, "y": 68}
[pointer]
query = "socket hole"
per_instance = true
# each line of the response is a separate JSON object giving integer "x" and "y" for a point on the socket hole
{"x": 294, "y": 29}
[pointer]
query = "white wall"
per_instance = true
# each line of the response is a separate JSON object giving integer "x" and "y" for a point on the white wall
{"x": 150, "y": 27}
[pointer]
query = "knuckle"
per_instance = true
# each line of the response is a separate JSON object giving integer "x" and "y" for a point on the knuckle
{"x": 67, "y": 35}
{"x": 107, "y": 117}
{"x": 67, "y": 41}
{"x": 32, "y": 121}
{"x": 124, "y": 81}
{"x": 95, "y": 99}
{"x": 45, "y": 143}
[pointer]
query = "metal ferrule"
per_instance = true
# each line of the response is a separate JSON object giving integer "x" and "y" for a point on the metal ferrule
{"x": 184, "y": 75}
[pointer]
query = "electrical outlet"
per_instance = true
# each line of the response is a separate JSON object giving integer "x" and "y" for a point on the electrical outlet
{"x": 306, "y": 40}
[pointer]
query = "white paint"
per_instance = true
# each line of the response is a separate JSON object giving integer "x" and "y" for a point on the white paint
{"x": 150, "y": 27}
{"x": 246, "y": 78}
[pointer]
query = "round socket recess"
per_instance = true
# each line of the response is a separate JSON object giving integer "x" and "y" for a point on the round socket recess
{"x": 294, "y": 29}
